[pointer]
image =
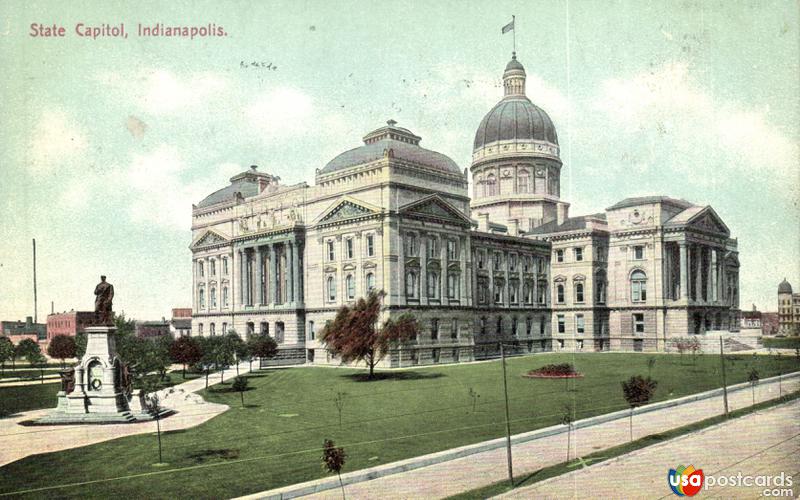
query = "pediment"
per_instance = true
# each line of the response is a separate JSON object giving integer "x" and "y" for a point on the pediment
{"x": 435, "y": 207}
{"x": 209, "y": 238}
{"x": 346, "y": 208}
{"x": 708, "y": 220}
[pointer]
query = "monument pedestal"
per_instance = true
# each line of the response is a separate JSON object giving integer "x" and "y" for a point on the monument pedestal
{"x": 99, "y": 395}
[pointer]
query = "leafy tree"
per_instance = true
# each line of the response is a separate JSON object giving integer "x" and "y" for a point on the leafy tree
{"x": 62, "y": 347}
{"x": 36, "y": 358}
{"x": 151, "y": 387}
{"x": 6, "y": 352}
{"x": 651, "y": 363}
{"x": 567, "y": 417}
{"x": 240, "y": 385}
{"x": 209, "y": 348}
{"x": 475, "y": 397}
{"x": 236, "y": 346}
{"x": 262, "y": 347}
{"x": 27, "y": 348}
{"x": 354, "y": 334}
{"x": 753, "y": 378}
{"x": 333, "y": 459}
{"x": 638, "y": 391}
{"x": 186, "y": 351}
{"x": 338, "y": 400}
{"x": 224, "y": 350}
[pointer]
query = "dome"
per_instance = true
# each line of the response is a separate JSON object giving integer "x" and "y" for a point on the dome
{"x": 784, "y": 287}
{"x": 515, "y": 118}
{"x": 399, "y": 143}
{"x": 245, "y": 184}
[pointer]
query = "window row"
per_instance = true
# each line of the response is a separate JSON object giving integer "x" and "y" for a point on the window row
{"x": 212, "y": 265}
{"x": 578, "y": 288}
{"x": 515, "y": 326}
{"x": 514, "y": 297}
{"x": 411, "y": 246}
{"x": 201, "y": 297}
{"x": 578, "y": 254}
{"x": 433, "y": 285}
{"x": 528, "y": 263}
{"x": 331, "y": 286}
{"x": 349, "y": 247}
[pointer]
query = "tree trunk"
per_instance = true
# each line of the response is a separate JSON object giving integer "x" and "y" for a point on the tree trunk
{"x": 241, "y": 393}
{"x": 222, "y": 376}
{"x": 569, "y": 429}
{"x": 631, "y": 423}
{"x": 341, "y": 484}
{"x": 206, "y": 378}
{"x": 184, "y": 371}
{"x": 237, "y": 367}
{"x": 251, "y": 364}
{"x": 42, "y": 371}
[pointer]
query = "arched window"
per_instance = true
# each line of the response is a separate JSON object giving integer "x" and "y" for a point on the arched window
{"x": 370, "y": 282}
{"x": 411, "y": 285}
{"x": 350, "y": 284}
{"x": 600, "y": 288}
{"x": 202, "y": 298}
{"x": 213, "y": 297}
{"x": 331, "y": 288}
{"x": 638, "y": 286}
{"x": 523, "y": 182}
{"x": 452, "y": 286}
{"x": 491, "y": 185}
{"x": 560, "y": 293}
{"x": 579, "y": 292}
{"x": 433, "y": 285}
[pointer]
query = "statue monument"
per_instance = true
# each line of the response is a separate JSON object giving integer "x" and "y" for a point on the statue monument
{"x": 99, "y": 389}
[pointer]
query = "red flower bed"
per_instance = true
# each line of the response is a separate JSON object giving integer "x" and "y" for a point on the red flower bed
{"x": 561, "y": 370}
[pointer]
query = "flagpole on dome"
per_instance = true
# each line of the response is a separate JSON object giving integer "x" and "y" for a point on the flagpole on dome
{"x": 510, "y": 27}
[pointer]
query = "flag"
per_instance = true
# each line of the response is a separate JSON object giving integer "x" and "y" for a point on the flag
{"x": 508, "y": 27}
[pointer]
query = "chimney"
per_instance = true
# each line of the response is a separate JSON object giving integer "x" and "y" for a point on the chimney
{"x": 483, "y": 222}
{"x": 562, "y": 210}
{"x": 513, "y": 227}
{"x": 28, "y": 320}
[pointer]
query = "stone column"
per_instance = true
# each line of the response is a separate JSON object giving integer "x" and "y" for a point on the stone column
{"x": 464, "y": 276}
{"x": 698, "y": 266}
{"x": 521, "y": 284}
{"x": 444, "y": 273}
{"x": 259, "y": 275}
{"x": 273, "y": 298}
{"x": 710, "y": 275}
{"x": 423, "y": 268}
{"x": 290, "y": 271}
{"x": 490, "y": 266}
{"x": 297, "y": 273}
{"x": 506, "y": 275}
{"x": 536, "y": 280}
{"x": 684, "y": 280}
{"x": 401, "y": 263}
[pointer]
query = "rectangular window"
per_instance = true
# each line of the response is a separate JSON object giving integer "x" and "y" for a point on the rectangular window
{"x": 434, "y": 329}
{"x": 512, "y": 262}
{"x": 212, "y": 329}
{"x": 349, "y": 248}
{"x": 200, "y": 329}
{"x": 638, "y": 252}
{"x": 541, "y": 325}
{"x": 370, "y": 245}
{"x": 498, "y": 294}
{"x": 514, "y": 326}
{"x": 311, "y": 333}
{"x": 529, "y": 326}
{"x": 454, "y": 329}
{"x": 498, "y": 261}
{"x": 224, "y": 328}
{"x": 580, "y": 326}
{"x": 452, "y": 286}
{"x": 483, "y": 326}
{"x": 452, "y": 250}
{"x": 433, "y": 247}
{"x": 561, "y": 324}
{"x": 481, "y": 259}
{"x": 411, "y": 244}
{"x": 200, "y": 269}
{"x": 213, "y": 267}
{"x": 279, "y": 332}
{"x": 264, "y": 328}
{"x": 559, "y": 255}
{"x": 225, "y": 265}
{"x": 638, "y": 323}
{"x": 513, "y": 291}
{"x": 578, "y": 254}
{"x": 331, "y": 252}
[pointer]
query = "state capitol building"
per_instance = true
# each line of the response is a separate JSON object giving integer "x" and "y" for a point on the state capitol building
{"x": 504, "y": 261}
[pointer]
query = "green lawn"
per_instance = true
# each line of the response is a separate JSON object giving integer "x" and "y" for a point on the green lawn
{"x": 782, "y": 342}
{"x": 27, "y": 397}
{"x": 276, "y": 440}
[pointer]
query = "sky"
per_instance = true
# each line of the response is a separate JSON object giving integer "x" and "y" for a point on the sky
{"x": 105, "y": 143}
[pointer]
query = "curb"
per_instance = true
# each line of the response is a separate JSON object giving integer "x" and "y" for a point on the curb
{"x": 317, "y": 486}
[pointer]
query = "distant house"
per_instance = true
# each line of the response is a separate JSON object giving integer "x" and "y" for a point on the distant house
{"x": 181, "y": 323}
{"x": 751, "y": 319}
{"x": 152, "y": 329}
{"x": 16, "y": 331}
{"x": 68, "y": 323}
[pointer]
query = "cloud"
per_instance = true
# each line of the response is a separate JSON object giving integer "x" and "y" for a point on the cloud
{"x": 281, "y": 112}
{"x": 666, "y": 119}
{"x": 55, "y": 140}
{"x": 158, "y": 91}
{"x": 164, "y": 187}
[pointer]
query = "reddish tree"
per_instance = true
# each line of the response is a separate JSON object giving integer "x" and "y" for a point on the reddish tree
{"x": 186, "y": 350}
{"x": 354, "y": 335}
{"x": 62, "y": 347}
{"x": 638, "y": 391}
{"x": 333, "y": 459}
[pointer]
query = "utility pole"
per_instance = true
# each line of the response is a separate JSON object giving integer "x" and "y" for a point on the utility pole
{"x": 35, "y": 298}
{"x": 724, "y": 380}
{"x": 508, "y": 423}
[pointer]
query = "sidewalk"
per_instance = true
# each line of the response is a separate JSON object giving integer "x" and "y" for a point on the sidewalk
{"x": 21, "y": 441}
{"x": 762, "y": 443}
{"x": 483, "y": 468}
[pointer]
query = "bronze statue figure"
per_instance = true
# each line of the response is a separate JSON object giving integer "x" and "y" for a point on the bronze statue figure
{"x": 104, "y": 293}
{"x": 68, "y": 380}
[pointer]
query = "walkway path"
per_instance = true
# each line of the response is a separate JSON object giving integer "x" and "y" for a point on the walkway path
{"x": 480, "y": 469}
{"x": 763, "y": 443}
{"x": 21, "y": 441}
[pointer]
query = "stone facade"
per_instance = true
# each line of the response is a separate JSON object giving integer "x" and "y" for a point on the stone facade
{"x": 507, "y": 265}
{"x": 788, "y": 310}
